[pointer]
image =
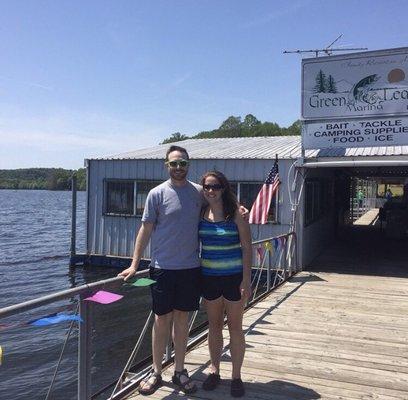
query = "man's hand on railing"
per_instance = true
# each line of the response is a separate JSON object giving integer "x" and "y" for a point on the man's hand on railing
{"x": 127, "y": 273}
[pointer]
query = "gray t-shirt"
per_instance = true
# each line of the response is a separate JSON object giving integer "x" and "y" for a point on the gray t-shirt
{"x": 175, "y": 213}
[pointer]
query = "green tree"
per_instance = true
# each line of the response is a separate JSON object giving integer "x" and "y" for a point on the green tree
{"x": 231, "y": 123}
{"x": 250, "y": 121}
{"x": 251, "y": 126}
{"x": 295, "y": 128}
{"x": 175, "y": 137}
{"x": 81, "y": 179}
{"x": 331, "y": 85}
{"x": 321, "y": 84}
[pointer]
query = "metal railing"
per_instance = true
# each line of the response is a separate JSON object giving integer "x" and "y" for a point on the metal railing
{"x": 360, "y": 207}
{"x": 275, "y": 261}
{"x": 84, "y": 336}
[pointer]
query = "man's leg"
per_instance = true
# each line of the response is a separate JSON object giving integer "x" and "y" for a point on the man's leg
{"x": 160, "y": 338}
{"x": 163, "y": 303}
{"x": 187, "y": 298}
{"x": 180, "y": 335}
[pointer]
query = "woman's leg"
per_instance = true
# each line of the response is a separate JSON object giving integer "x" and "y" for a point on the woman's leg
{"x": 215, "y": 313}
{"x": 235, "y": 310}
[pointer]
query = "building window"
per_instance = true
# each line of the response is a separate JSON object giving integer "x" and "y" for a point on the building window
{"x": 316, "y": 200}
{"x": 234, "y": 188}
{"x": 247, "y": 196}
{"x": 120, "y": 197}
{"x": 142, "y": 189}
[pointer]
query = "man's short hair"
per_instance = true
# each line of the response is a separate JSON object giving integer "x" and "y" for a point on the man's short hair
{"x": 176, "y": 148}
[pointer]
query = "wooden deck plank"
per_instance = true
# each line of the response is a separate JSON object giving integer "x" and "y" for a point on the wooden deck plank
{"x": 319, "y": 336}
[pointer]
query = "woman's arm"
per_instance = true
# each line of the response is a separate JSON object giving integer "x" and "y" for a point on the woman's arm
{"x": 246, "y": 246}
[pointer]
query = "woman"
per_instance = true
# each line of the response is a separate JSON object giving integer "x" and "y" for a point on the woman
{"x": 226, "y": 257}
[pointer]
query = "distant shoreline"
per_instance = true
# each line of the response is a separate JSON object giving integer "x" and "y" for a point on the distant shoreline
{"x": 45, "y": 189}
{"x": 41, "y": 179}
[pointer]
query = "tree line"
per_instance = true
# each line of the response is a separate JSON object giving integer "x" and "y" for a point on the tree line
{"x": 60, "y": 179}
{"x": 237, "y": 127}
{"x": 41, "y": 178}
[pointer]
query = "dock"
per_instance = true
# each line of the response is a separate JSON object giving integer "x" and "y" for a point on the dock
{"x": 321, "y": 335}
{"x": 368, "y": 218}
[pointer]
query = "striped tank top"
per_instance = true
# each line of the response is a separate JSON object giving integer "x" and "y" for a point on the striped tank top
{"x": 221, "y": 252}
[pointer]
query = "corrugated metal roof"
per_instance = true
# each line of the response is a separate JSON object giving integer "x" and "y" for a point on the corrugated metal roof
{"x": 224, "y": 148}
{"x": 286, "y": 147}
{"x": 359, "y": 152}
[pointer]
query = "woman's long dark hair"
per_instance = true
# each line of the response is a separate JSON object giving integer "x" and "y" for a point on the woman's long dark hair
{"x": 229, "y": 200}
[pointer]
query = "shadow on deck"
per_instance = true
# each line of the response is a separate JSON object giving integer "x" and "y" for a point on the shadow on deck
{"x": 321, "y": 335}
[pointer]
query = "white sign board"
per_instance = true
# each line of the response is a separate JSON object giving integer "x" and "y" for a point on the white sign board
{"x": 355, "y": 133}
{"x": 365, "y": 84}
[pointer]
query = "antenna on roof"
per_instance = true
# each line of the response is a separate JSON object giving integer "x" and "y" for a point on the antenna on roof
{"x": 328, "y": 50}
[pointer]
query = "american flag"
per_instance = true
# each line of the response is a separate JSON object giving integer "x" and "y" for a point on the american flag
{"x": 260, "y": 208}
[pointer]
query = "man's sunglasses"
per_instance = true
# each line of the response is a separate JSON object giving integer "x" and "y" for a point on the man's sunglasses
{"x": 215, "y": 187}
{"x": 177, "y": 163}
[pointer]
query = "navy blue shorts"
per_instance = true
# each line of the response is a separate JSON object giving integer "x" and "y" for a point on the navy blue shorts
{"x": 175, "y": 289}
{"x": 227, "y": 286}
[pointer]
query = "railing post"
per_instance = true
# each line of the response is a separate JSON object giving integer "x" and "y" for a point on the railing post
{"x": 167, "y": 354}
{"x": 84, "y": 350}
{"x": 268, "y": 274}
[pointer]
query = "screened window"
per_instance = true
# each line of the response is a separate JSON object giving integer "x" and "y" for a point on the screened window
{"x": 248, "y": 193}
{"x": 120, "y": 197}
{"x": 234, "y": 188}
{"x": 142, "y": 189}
{"x": 247, "y": 196}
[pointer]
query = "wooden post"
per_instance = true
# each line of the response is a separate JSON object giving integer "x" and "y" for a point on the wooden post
{"x": 73, "y": 217}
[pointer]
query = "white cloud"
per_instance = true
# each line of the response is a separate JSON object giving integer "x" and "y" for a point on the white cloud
{"x": 289, "y": 8}
{"x": 66, "y": 135}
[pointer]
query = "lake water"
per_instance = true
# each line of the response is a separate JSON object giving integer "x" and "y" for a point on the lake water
{"x": 35, "y": 229}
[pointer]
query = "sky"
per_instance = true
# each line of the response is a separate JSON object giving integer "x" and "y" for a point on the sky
{"x": 84, "y": 79}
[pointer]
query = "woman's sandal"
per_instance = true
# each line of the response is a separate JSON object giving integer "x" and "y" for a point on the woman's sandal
{"x": 183, "y": 386}
{"x": 237, "y": 388}
{"x": 151, "y": 387}
{"x": 212, "y": 381}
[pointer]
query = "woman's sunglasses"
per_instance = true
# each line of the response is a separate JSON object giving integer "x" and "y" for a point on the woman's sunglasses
{"x": 177, "y": 163}
{"x": 215, "y": 187}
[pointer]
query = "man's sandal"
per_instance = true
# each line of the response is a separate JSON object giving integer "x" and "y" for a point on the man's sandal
{"x": 151, "y": 387}
{"x": 185, "y": 386}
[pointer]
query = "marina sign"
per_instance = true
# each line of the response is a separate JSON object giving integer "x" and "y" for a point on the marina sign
{"x": 361, "y": 84}
{"x": 355, "y": 133}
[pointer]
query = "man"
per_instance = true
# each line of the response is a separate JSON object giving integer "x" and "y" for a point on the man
{"x": 170, "y": 219}
{"x": 360, "y": 198}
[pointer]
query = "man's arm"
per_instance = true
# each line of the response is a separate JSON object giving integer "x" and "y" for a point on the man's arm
{"x": 142, "y": 239}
